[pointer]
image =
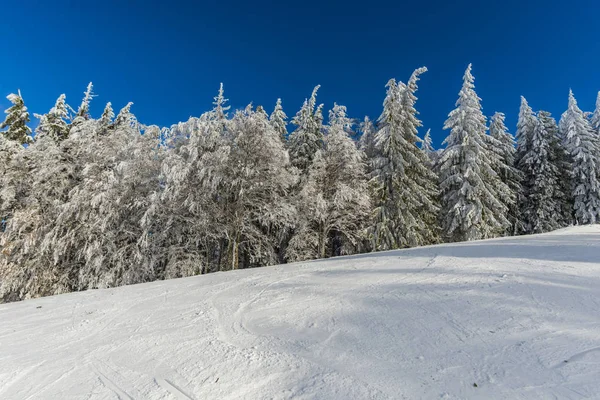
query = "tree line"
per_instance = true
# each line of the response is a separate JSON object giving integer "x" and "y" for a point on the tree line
{"x": 101, "y": 202}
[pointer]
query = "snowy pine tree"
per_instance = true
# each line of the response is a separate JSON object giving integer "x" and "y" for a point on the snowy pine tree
{"x": 537, "y": 204}
{"x": 334, "y": 203}
{"x": 125, "y": 117}
{"x": 367, "y": 141}
{"x": 278, "y": 120}
{"x": 562, "y": 163}
{"x": 504, "y": 168}
{"x": 83, "y": 112}
{"x": 108, "y": 115}
{"x": 220, "y": 108}
{"x": 406, "y": 207}
{"x": 471, "y": 204}
{"x": 581, "y": 143}
{"x": 307, "y": 138}
{"x": 17, "y": 118}
{"x": 54, "y": 123}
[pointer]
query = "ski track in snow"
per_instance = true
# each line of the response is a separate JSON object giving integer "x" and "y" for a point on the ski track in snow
{"x": 517, "y": 317}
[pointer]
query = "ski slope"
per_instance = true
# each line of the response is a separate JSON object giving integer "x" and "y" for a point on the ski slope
{"x": 517, "y": 317}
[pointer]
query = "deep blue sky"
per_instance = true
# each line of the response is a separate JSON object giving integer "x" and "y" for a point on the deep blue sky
{"x": 169, "y": 58}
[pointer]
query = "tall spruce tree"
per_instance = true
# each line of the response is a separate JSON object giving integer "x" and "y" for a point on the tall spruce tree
{"x": 406, "y": 197}
{"x": 17, "y": 118}
{"x": 581, "y": 143}
{"x": 471, "y": 190}
{"x": 537, "y": 204}
{"x": 562, "y": 163}
{"x": 504, "y": 168}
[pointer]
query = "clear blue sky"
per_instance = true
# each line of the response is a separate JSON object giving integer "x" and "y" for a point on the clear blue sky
{"x": 169, "y": 58}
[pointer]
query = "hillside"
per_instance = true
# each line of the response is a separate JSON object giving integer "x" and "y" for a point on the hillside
{"x": 511, "y": 318}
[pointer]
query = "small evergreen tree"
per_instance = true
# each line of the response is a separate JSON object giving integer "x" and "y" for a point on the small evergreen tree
{"x": 278, "y": 121}
{"x": 17, "y": 118}
{"x": 108, "y": 115}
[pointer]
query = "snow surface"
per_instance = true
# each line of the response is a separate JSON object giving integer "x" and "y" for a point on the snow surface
{"x": 518, "y": 317}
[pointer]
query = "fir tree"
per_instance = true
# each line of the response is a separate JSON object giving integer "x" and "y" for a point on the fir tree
{"x": 83, "y": 112}
{"x": 562, "y": 163}
{"x": 278, "y": 120}
{"x": 307, "y": 138}
{"x": 17, "y": 118}
{"x": 537, "y": 204}
{"x": 471, "y": 204}
{"x": 367, "y": 141}
{"x": 504, "y": 168}
{"x": 334, "y": 203}
{"x": 220, "y": 109}
{"x": 125, "y": 117}
{"x": 108, "y": 115}
{"x": 581, "y": 143}
{"x": 54, "y": 123}
{"x": 405, "y": 199}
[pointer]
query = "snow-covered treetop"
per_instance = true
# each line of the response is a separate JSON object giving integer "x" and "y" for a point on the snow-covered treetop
{"x": 84, "y": 108}
{"x": 107, "y": 115}
{"x": 426, "y": 143}
{"x": 220, "y": 108}
{"x": 125, "y": 116}
{"x": 595, "y": 120}
{"x": 278, "y": 120}
{"x": 17, "y": 118}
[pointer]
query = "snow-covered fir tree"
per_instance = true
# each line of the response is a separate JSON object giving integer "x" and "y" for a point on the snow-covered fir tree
{"x": 537, "y": 204}
{"x": 125, "y": 116}
{"x": 54, "y": 123}
{"x": 17, "y": 118}
{"x": 307, "y": 138}
{"x": 581, "y": 143}
{"x": 504, "y": 168}
{"x": 108, "y": 115}
{"x": 220, "y": 108}
{"x": 406, "y": 197}
{"x": 472, "y": 205}
{"x": 561, "y": 160}
{"x": 334, "y": 204}
{"x": 83, "y": 112}
{"x": 278, "y": 120}
{"x": 426, "y": 144}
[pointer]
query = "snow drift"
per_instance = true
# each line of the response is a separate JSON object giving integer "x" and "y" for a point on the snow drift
{"x": 511, "y": 318}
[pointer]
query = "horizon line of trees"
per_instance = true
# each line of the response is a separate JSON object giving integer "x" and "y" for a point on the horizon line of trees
{"x": 92, "y": 203}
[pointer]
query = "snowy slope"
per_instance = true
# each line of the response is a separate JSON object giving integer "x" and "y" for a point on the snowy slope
{"x": 518, "y": 317}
